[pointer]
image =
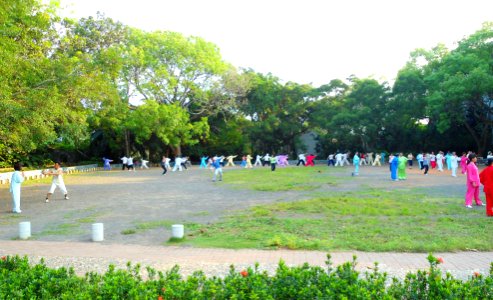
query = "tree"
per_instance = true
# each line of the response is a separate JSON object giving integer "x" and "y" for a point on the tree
{"x": 460, "y": 87}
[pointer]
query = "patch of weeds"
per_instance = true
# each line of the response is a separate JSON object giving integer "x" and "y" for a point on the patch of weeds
{"x": 201, "y": 213}
{"x": 175, "y": 240}
{"x": 61, "y": 229}
{"x": 129, "y": 231}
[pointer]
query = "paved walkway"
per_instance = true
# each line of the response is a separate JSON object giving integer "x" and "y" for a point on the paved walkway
{"x": 90, "y": 256}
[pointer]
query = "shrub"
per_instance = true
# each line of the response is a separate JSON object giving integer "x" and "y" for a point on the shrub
{"x": 20, "y": 280}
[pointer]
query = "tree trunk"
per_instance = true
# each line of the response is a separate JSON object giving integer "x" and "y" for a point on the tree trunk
{"x": 177, "y": 150}
{"x": 127, "y": 143}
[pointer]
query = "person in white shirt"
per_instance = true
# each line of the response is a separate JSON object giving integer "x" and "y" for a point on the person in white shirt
{"x": 433, "y": 161}
{"x": 301, "y": 159}
{"x": 266, "y": 160}
{"x": 338, "y": 159}
{"x": 144, "y": 164}
{"x": 124, "y": 160}
{"x": 57, "y": 181}
{"x": 344, "y": 159}
{"x": 177, "y": 165}
{"x": 258, "y": 160}
{"x": 330, "y": 160}
{"x": 439, "y": 160}
{"x": 130, "y": 163}
{"x": 369, "y": 158}
{"x": 454, "y": 163}
{"x": 377, "y": 160}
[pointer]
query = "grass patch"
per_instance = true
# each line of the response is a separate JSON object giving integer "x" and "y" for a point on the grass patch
{"x": 283, "y": 179}
{"x": 61, "y": 229}
{"x": 372, "y": 220}
{"x": 129, "y": 231}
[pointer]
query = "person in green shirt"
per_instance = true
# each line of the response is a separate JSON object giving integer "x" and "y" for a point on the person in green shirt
{"x": 401, "y": 167}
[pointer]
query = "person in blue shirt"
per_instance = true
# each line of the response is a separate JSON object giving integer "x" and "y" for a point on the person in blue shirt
{"x": 356, "y": 164}
{"x": 394, "y": 162}
{"x": 15, "y": 187}
{"x": 216, "y": 164}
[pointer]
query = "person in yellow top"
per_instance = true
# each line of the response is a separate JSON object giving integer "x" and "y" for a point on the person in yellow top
{"x": 57, "y": 181}
{"x": 230, "y": 160}
{"x": 249, "y": 161}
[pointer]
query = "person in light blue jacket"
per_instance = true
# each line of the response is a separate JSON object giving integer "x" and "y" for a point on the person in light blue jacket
{"x": 356, "y": 161}
{"x": 15, "y": 187}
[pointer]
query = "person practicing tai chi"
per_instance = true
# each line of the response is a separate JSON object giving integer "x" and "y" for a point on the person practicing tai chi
{"x": 218, "y": 170}
{"x": 178, "y": 164}
{"x": 338, "y": 159}
{"x": 266, "y": 160}
{"x": 439, "y": 161}
{"x": 377, "y": 160}
{"x": 203, "y": 162}
{"x": 124, "y": 160}
{"x": 164, "y": 164}
{"x": 486, "y": 178}
{"x": 230, "y": 160}
{"x": 454, "y": 163}
{"x": 356, "y": 163}
{"x": 57, "y": 181}
{"x": 394, "y": 163}
{"x": 15, "y": 187}
{"x": 258, "y": 160}
{"x": 473, "y": 182}
{"x": 144, "y": 164}
{"x": 106, "y": 164}
{"x": 401, "y": 167}
{"x": 248, "y": 161}
{"x": 301, "y": 159}
{"x": 310, "y": 160}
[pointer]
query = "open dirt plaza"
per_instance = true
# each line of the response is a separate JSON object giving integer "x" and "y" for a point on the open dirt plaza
{"x": 61, "y": 229}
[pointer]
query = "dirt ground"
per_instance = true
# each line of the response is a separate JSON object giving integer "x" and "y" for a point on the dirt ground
{"x": 122, "y": 199}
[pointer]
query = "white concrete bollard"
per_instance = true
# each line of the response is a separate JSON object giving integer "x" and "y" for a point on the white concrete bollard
{"x": 24, "y": 230}
{"x": 177, "y": 231}
{"x": 97, "y": 232}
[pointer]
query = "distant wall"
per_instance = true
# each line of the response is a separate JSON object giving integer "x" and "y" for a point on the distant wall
{"x": 37, "y": 174}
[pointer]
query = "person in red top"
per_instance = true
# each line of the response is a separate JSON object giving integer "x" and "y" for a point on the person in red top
{"x": 486, "y": 178}
{"x": 473, "y": 182}
{"x": 309, "y": 160}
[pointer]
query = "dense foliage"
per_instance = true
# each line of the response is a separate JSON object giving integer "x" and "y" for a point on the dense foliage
{"x": 21, "y": 280}
{"x": 83, "y": 89}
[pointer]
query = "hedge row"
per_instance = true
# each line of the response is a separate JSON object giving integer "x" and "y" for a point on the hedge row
{"x": 21, "y": 280}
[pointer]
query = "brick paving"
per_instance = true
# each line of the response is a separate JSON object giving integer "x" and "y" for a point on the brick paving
{"x": 85, "y": 257}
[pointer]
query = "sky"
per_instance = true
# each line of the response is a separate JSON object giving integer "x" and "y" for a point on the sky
{"x": 310, "y": 41}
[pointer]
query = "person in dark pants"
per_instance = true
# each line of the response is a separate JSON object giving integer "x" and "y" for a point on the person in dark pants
{"x": 163, "y": 165}
{"x": 273, "y": 162}
{"x": 426, "y": 163}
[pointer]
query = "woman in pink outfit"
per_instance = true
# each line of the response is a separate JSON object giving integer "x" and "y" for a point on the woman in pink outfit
{"x": 463, "y": 163}
{"x": 473, "y": 182}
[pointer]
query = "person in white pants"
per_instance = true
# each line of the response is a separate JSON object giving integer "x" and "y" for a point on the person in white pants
{"x": 144, "y": 164}
{"x": 338, "y": 160}
{"x": 344, "y": 159}
{"x": 439, "y": 161}
{"x": 57, "y": 181}
{"x": 15, "y": 187}
{"x": 454, "y": 163}
{"x": 177, "y": 164}
{"x": 258, "y": 160}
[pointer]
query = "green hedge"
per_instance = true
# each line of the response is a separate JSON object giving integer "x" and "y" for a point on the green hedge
{"x": 20, "y": 280}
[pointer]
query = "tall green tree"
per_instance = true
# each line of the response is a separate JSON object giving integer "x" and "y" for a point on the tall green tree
{"x": 460, "y": 87}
